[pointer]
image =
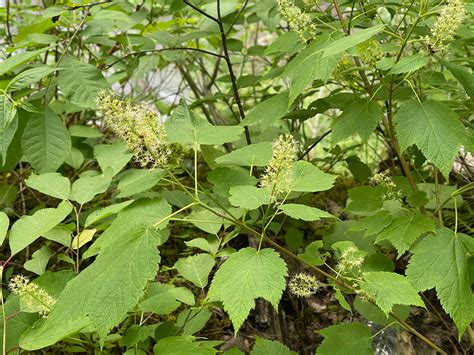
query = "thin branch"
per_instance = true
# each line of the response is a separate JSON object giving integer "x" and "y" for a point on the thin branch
{"x": 314, "y": 144}
{"x": 131, "y": 54}
{"x": 237, "y": 16}
{"x": 200, "y": 11}
{"x": 231, "y": 71}
{"x": 7, "y": 24}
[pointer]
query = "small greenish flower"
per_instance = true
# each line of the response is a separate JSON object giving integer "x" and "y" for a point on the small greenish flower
{"x": 447, "y": 24}
{"x": 33, "y": 297}
{"x": 370, "y": 51}
{"x": 278, "y": 174}
{"x": 139, "y": 127}
{"x": 303, "y": 285}
{"x": 351, "y": 258}
{"x": 299, "y": 21}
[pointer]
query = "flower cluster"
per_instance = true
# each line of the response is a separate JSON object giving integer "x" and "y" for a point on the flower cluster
{"x": 310, "y": 3}
{"x": 139, "y": 127}
{"x": 278, "y": 174}
{"x": 351, "y": 258}
{"x": 383, "y": 179}
{"x": 299, "y": 21}
{"x": 303, "y": 285}
{"x": 33, "y": 297}
{"x": 370, "y": 51}
{"x": 447, "y": 23}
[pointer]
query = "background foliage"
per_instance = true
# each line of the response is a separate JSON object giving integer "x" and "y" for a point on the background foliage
{"x": 230, "y": 176}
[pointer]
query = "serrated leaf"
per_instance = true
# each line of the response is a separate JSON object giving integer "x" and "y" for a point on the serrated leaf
{"x": 39, "y": 260}
{"x": 246, "y": 276}
{"x": 184, "y": 344}
{"x": 4, "y": 223}
{"x": 183, "y": 127}
{"x": 18, "y": 59}
{"x": 86, "y": 188}
{"x": 267, "y": 112}
{"x": 434, "y": 129}
{"x": 441, "y": 262}
{"x": 141, "y": 215}
{"x": 17, "y": 322}
{"x": 224, "y": 178}
{"x": 114, "y": 156}
{"x": 206, "y": 220}
{"x": 349, "y": 338}
{"x": 365, "y": 199}
{"x": 51, "y": 184}
{"x": 75, "y": 158}
{"x": 29, "y": 228}
{"x": 46, "y": 142}
{"x": 409, "y": 64}
{"x": 29, "y": 76}
{"x": 196, "y": 268}
{"x": 465, "y": 78}
{"x": 373, "y": 224}
{"x": 308, "y": 178}
{"x": 81, "y": 82}
{"x": 8, "y": 124}
{"x": 101, "y": 213}
{"x": 134, "y": 181}
{"x": 404, "y": 231}
{"x": 257, "y": 154}
{"x": 249, "y": 197}
{"x": 311, "y": 64}
{"x": 83, "y": 238}
{"x": 360, "y": 117}
{"x": 33, "y": 339}
{"x": 107, "y": 289}
{"x": 84, "y": 131}
{"x": 351, "y": 41}
{"x": 266, "y": 347}
{"x": 312, "y": 255}
{"x": 161, "y": 299}
{"x": 306, "y": 213}
{"x": 388, "y": 289}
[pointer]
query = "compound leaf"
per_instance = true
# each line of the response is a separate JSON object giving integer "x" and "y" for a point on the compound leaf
{"x": 29, "y": 228}
{"x": 434, "y": 128}
{"x": 46, "y": 142}
{"x": 388, "y": 289}
{"x": 404, "y": 230}
{"x": 183, "y": 127}
{"x": 441, "y": 262}
{"x": 246, "y": 276}
{"x": 349, "y": 338}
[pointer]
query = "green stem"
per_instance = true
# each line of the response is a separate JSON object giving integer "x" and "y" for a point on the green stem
{"x": 4, "y": 316}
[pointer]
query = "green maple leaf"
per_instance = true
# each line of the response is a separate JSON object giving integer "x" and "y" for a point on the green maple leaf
{"x": 388, "y": 289}
{"x": 404, "y": 230}
{"x": 441, "y": 261}
{"x": 246, "y": 276}
{"x": 350, "y": 338}
{"x": 434, "y": 128}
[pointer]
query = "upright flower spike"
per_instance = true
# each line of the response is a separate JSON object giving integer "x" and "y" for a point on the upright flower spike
{"x": 139, "y": 127}
{"x": 447, "y": 23}
{"x": 279, "y": 171}
{"x": 299, "y": 21}
{"x": 33, "y": 297}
